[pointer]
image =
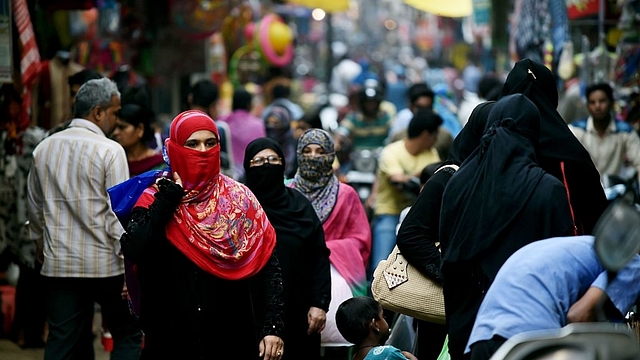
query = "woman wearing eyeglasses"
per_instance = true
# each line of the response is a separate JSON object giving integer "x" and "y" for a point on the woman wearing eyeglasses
{"x": 300, "y": 247}
{"x": 346, "y": 227}
{"x": 210, "y": 280}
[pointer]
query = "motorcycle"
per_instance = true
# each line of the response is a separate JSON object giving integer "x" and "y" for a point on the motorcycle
{"x": 617, "y": 240}
{"x": 361, "y": 174}
{"x": 624, "y": 186}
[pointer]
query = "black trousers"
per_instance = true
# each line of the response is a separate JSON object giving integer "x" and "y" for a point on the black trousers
{"x": 70, "y": 310}
{"x": 430, "y": 340}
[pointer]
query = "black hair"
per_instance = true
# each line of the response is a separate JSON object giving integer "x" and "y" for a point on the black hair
{"x": 489, "y": 85}
{"x": 374, "y": 93}
{"x": 281, "y": 91}
{"x": 241, "y": 100}
{"x": 83, "y": 76}
{"x": 354, "y": 316}
{"x": 138, "y": 95}
{"x": 606, "y": 88}
{"x": 313, "y": 119}
{"x": 419, "y": 90}
{"x": 204, "y": 93}
{"x": 423, "y": 119}
{"x": 135, "y": 115}
{"x": 428, "y": 171}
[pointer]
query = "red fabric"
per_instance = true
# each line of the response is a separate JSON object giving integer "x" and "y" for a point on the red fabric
{"x": 566, "y": 186}
{"x": 53, "y": 5}
{"x": 219, "y": 225}
{"x": 582, "y": 8}
{"x": 29, "y": 57}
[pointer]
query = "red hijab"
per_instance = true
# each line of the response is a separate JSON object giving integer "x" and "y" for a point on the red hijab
{"x": 219, "y": 224}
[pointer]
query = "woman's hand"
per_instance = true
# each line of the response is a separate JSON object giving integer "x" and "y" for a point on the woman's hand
{"x": 177, "y": 179}
{"x": 316, "y": 318}
{"x": 271, "y": 347}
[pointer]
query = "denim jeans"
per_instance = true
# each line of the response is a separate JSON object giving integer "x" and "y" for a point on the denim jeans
{"x": 384, "y": 239}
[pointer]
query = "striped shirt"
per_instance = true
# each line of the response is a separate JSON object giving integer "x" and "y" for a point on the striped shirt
{"x": 69, "y": 210}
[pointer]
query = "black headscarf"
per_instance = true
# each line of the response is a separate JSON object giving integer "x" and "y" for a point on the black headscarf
{"x": 280, "y": 203}
{"x": 558, "y": 144}
{"x": 501, "y": 174}
{"x": 469, "y": 137}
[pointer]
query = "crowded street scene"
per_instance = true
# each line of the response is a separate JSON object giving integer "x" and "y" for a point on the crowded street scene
{"x": 319, "y": 180}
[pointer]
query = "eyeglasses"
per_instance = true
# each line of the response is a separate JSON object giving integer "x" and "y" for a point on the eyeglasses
{"x": 259, "y": 160}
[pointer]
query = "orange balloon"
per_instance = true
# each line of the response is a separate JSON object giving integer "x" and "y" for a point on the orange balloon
{"x": 280, "y": 36}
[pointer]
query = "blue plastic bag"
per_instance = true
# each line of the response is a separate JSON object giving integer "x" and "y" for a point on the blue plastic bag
{"x": 124, "y": 196}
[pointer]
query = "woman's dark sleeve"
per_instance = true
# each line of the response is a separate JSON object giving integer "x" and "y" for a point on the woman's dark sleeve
{"x": 321, "y": 271}
{"x": 271, "y": 277}
{"x": 418, "y": 232}
{"x": 145, "y": 225}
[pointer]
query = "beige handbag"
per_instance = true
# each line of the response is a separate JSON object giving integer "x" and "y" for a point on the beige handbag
{"x": 401, "y": 288}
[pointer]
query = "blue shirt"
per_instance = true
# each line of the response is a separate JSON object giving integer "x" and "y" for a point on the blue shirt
{"x": 536, "y": 286}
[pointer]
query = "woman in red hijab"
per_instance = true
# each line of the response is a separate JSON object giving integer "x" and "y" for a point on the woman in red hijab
{"x": 210, "y": 282}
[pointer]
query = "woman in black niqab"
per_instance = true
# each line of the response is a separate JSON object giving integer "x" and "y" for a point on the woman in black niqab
{"x": 419, "y": 231}
{"x": 300, "y": 248}
{"x": 498, "y": 201}
{"x": 560, "y": 153}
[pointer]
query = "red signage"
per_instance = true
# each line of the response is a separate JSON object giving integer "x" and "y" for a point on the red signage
{"x": 29, "y": 55}
{"x": 581, "y": 8}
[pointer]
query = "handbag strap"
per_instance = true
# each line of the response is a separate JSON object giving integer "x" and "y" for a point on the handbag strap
{"x": 566, "y": 187}
{"x": 451, "y": 169}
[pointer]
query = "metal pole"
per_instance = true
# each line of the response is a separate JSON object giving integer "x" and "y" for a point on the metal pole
{"x": 329, "y": 63}
{"x": 601, "y": 24}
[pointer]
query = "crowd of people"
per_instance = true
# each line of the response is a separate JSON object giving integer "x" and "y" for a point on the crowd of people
{"x": 251, "y": 240}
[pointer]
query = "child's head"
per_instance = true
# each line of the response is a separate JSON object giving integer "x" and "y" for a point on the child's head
{"x": 359, "y": 317}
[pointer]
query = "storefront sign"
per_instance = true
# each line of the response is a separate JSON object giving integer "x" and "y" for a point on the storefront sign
{"x": 482, "y": 12}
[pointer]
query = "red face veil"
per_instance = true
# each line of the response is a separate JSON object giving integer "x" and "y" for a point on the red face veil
{"x": 196, "y": 168}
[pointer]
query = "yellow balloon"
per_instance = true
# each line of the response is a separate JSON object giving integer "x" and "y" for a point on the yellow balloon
{"x": 280, "y": 36}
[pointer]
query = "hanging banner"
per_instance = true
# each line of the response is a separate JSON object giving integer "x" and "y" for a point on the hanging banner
{"x": 580, "y": 8}
{"x": 5, "y": 42}
{"x": 481, "y": 12}
{"x": 29, "y": 55}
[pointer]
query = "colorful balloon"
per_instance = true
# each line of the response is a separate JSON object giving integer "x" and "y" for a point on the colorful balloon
{"x": 280, "y": 36}
{"x": 264, "y": 41}
{"x": 249, "y": 31}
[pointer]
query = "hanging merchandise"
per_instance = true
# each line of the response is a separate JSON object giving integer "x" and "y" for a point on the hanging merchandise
{"x": 531, "y": 27}
{"x": 6, "y": 48}
{"x": 198, "y": 19}
{"x": 216, "y": 59}
{"x": 29, "y": 56}
{"x": 109, "y": 18}
{"x": 577, "y": 9}
{"x": 566, "y": 67}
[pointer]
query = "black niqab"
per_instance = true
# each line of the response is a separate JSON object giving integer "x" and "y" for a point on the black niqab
{"x": 280, "y": 203}
{"x": 558, "y": 144}
{"x": 494, "y": 184}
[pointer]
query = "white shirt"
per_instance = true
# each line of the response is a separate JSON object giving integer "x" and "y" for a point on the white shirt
{"x": 68, "y": 204}
{"x": 619, "y": 143}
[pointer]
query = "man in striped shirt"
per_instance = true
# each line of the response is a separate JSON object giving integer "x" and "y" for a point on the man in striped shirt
{"x": 76, "y": 231}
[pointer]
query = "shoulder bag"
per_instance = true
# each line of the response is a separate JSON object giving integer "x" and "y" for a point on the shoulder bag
{"x": 401, "y": 288}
